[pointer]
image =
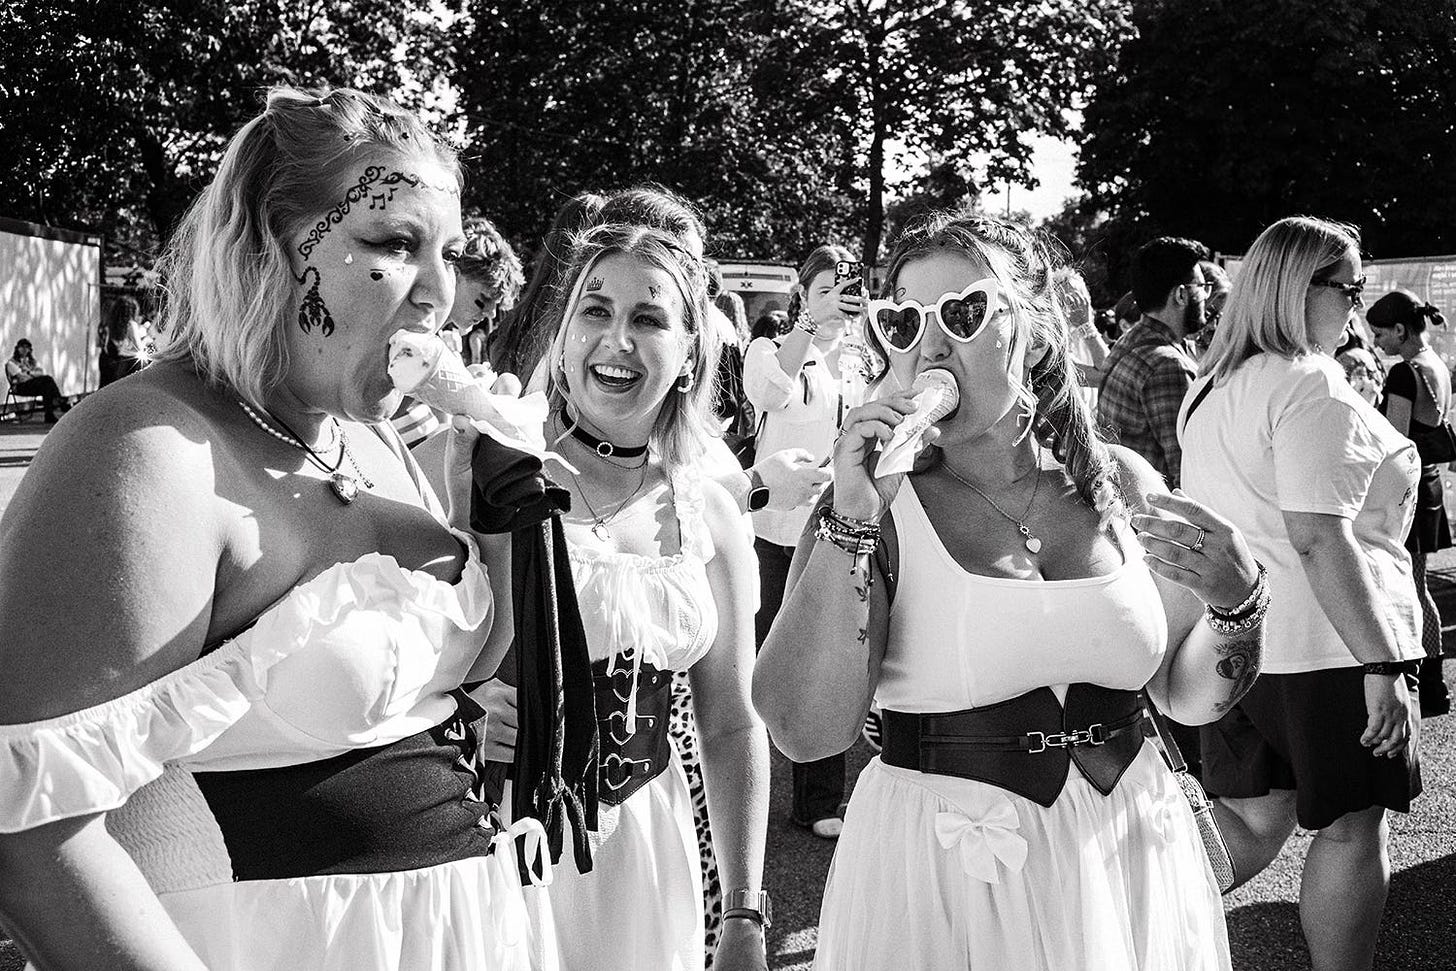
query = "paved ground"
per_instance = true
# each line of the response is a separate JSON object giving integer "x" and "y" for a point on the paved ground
{"x": 1419, "y": 932}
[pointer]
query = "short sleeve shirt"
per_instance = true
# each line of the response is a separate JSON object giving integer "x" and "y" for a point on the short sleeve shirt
{"x": 1292, "y": 436}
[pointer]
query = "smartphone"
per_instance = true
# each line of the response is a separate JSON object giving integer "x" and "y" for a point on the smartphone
{"x": 850, "y": 270}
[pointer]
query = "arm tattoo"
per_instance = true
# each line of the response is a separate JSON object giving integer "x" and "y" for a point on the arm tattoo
{"x": 1238, "y": 661}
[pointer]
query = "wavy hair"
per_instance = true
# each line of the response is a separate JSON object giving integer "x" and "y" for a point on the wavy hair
{"x": 684, "y": 422}
{"x": 1025, "y": 264}
{"x": 489, "y": 259}
{"x": 1265, "y": 312}
{"x": 230, "y": 290}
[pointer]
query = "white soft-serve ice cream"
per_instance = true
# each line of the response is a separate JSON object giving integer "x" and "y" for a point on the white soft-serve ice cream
{"x": 424, "y": 367}
{"x": 936, "y": 395}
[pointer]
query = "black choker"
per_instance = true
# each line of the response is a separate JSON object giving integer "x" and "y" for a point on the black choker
{"x": 606, "y": 449}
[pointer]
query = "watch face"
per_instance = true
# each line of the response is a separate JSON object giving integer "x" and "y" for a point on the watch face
{"x": 757, "y": 498}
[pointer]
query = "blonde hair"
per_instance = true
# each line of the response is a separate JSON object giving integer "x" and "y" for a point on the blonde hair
{"x": 684, "y": 421}
{"x": 1025, "y": 264}
{"x": 1265, "y": 312}
{"x": 230, "y": 289}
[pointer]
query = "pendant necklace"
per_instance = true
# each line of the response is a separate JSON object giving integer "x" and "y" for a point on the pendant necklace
{"x": 1033, "y": 544}
{"x": 600, "y": 523}
{"x": 345, "y": 487}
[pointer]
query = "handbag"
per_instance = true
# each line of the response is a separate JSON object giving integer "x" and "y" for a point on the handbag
{"x": 1208, "y": 831}
{"x": 1436, "y": 446}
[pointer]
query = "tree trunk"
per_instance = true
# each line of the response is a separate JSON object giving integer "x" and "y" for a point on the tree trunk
{"x": 166, "y": 198}
{"x": 874, "y": 225}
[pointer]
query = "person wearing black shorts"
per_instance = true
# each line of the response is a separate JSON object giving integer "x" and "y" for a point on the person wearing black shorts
{"x": 1324, "y": 490}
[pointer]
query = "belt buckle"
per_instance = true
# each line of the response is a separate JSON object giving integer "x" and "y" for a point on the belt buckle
{"x": 622, "y": 768}
{"x": 1041, "y": 742}
{"x": 616, "y": 716}
{"x": 1091, "y": 735}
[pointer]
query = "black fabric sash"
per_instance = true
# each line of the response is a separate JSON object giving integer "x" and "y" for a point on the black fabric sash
{"x": 555, "y": 767}
{"x": 1025, "y": 744}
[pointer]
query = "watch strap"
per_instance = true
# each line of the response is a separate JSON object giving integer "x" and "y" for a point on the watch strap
{"x": 753, "y": 905}
{"x": 1392, "y": 667}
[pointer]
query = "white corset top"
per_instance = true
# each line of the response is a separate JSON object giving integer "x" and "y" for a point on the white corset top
{"x": 959, "y": 640}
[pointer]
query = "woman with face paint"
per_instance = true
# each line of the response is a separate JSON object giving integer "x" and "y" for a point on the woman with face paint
{"x": 231, "y": 738}
{"x": 664, "y": 577}
{"x": 1007, "y": 603}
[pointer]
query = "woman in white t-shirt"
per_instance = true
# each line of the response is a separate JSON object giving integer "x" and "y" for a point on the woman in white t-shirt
{"x": 803, "y": 384}
{"x": 1322, "y": 486}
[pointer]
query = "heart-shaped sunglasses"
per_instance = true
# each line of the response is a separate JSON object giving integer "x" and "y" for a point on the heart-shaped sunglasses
{"x": 961, "y": 316}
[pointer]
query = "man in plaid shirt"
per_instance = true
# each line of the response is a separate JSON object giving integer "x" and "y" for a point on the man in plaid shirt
{"x": 1150, "y": 367}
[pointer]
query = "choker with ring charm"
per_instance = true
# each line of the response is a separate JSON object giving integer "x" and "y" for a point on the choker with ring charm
{"x": 604, "y": 448}
{"x": 345, "y": 487}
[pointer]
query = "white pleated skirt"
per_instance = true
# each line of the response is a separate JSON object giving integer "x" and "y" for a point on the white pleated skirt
{"x": 934, "y": 872}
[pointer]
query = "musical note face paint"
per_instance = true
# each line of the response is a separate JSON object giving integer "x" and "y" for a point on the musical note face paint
{"x": 369, "y": 273}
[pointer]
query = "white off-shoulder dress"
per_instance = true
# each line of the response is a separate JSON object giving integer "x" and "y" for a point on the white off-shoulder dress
{"x": 299, "y": 797}
{"x": 940, "y": 872}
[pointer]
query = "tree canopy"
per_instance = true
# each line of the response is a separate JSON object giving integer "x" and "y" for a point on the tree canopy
{"x": 113, "y": 113}
{"x": 1222, "y": 117}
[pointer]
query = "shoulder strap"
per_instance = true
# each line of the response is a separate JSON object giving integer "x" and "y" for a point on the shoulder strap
{"x": 1197, "y": 400}
{"x": 1164, "y": 739}
{"x": 1435, "y": 400}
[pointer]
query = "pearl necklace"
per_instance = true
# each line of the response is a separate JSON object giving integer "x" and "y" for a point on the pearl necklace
{"x": 344, "y": 486}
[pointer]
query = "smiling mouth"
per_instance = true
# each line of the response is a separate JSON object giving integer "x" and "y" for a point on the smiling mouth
{"x": 614, "y": 377}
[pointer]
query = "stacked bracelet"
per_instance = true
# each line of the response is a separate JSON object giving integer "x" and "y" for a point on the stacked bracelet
{"x": 1247, "y": 615}
{"x": 857, "y": 537}
{"x": 805, "y": 322}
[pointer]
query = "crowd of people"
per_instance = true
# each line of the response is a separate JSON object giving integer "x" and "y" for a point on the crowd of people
{"x": 277, "y": 701}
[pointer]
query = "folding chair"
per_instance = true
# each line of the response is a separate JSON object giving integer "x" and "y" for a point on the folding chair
{"x": 14, "y": 401}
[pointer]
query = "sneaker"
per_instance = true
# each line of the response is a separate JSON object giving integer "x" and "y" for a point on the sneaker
{"x": 828, "y": 828}
{"x": 873, "y": 731}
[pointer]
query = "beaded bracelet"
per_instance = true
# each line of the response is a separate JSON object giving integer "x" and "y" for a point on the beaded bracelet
{"x": 1247, "y": 619}
{"x": 805, "y": 322}
{"x": 1236, "y": 613}
{"x": 857, "y": 537}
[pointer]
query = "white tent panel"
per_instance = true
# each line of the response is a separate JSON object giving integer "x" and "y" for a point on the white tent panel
{"x": 50, "y": 293}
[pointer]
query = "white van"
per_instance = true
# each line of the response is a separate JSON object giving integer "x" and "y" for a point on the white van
{"x": 764, "y": 287}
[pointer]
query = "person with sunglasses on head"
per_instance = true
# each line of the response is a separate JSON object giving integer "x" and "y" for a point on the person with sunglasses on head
{"x": 1149, "y": 369}
{"x": 803, "y": 384}
{"x": 1324, "y": 490}
{"x": 1417, "y": 400}
{"x": 1009, "y": 604}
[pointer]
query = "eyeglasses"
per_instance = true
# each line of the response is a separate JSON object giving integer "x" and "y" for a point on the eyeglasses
{"x": 961, "y": 316}
{"x": 1205, "y": 285}
{"x": 1354, "y": 291}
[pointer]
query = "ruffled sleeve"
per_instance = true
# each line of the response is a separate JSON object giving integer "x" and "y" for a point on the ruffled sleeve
{"x": 92, "y": 760}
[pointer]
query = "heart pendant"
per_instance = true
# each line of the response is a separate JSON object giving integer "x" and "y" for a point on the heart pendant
{"x": 346, "y": 487}
{"x": 1033, "y": 544}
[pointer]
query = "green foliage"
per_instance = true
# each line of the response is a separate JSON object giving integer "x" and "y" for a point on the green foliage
{"x": 1222, "y": 117}
{"x": 707, "y": 98}
{"x": 113, "y": 113}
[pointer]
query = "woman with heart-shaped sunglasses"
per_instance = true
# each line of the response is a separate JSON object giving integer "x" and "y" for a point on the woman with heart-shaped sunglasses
{"x": 999, "y": 605}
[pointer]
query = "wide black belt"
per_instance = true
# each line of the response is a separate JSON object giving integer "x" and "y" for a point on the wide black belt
{"x": 631, "y": 755}
{"x": 1025, "y": 744}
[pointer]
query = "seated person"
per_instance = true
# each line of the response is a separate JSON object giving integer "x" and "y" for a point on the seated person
{"x": 26, "y": 377}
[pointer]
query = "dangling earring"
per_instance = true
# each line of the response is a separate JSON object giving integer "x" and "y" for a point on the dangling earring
{"x": 685, "y": 383}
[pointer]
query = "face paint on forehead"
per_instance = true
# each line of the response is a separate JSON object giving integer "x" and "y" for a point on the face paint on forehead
{"x": 312, "y": 311}
{"x": 380, "y": 185}
{"x": 653, "y": 290}
{"x": 594, "y": 284}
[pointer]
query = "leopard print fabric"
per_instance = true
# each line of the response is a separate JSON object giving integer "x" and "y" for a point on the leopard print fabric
{"x": 683, "y": 728}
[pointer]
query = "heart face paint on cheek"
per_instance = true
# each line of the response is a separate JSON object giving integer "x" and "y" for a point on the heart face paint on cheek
{"x": 376, "y": 274}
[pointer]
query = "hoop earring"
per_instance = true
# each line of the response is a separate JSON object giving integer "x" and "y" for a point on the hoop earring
{"x": 685, "y": 383}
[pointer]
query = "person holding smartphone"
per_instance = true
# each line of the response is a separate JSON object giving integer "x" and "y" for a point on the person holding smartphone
{"x": 803, "y": 384}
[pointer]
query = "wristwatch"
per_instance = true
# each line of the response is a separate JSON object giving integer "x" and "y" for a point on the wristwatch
{"x": 751, "y": 905}
{"x": 1392, "y": 667}
{"x": 757, "y": 492}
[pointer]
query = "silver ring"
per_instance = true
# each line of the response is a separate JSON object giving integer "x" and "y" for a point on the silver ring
{"x": 1198, "y": 543}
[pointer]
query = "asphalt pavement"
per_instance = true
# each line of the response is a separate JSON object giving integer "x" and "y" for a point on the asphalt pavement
{"x": 1418, "y": 932}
